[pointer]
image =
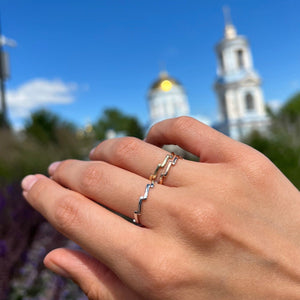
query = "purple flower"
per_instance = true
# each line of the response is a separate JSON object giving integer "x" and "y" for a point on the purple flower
{"x": 3, "y": 248}
{"x": 2, "y": 201}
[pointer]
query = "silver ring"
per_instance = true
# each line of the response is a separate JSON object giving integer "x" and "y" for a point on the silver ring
{"x": 138, "y": 212}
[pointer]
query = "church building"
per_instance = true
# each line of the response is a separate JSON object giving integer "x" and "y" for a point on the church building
{"x": 167, "y": 99}
{"x": 238, "y": 88}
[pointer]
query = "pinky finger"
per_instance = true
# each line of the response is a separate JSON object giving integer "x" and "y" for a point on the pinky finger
{"x": 94, "y": 278}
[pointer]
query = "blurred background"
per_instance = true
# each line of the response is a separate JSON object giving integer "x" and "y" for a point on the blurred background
{"x": 73, "y": 73}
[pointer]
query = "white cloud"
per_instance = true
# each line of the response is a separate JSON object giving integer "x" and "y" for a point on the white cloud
{"x": 37, "y": 93}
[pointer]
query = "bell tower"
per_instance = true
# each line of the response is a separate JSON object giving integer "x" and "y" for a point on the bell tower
{"x": 237, "y": 86}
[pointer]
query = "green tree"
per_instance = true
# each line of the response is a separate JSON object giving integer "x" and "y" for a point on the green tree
{"x": 46, "y": 138}
{"x": 291, "y": 110}
{"x": 287, "y": 121}
{"x": 281, "y": 151}
{"x": 45, "y": 127}
{"x": 113, "y": 119}
{"x": 282, "y": 143}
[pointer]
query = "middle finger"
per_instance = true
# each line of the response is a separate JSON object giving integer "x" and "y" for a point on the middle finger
{"x": 142, "y": 158}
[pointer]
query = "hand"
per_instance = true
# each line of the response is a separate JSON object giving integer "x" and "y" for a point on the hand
{"x": 227, "y": 227}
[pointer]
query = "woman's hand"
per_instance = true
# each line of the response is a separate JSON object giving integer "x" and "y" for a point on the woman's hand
{"x": 227, "y": 227}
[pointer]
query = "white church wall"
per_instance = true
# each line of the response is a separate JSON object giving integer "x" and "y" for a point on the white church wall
{"x": 167, "y": 104}
{"x": 237, "y": 79}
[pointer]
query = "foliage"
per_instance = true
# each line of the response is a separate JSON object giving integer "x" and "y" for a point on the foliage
{"x": 282, "y": 144}
{"x": 46, "y": 127}
{"x": 113, "y": 119}
{"x": 291, "y": 110}
{"x": 281, "y": 151}
{"x": 45, "y": 139}
{"x": 25, "y": 237}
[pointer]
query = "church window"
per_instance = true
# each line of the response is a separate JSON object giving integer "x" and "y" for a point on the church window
{"x": 240, "y": 58}
{"x": 249, "y": 102}
{"x": 223, "y": 107}
{"x": 221, "y": 61}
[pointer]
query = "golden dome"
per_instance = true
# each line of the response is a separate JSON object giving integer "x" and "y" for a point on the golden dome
{"x": 165, "y": 83}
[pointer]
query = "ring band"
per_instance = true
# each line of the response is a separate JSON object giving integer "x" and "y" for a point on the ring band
{"x": 159, "y": 166}
{"x": 138, "y": 212}
{"x": 171, "y": 159}
{"x": 165, "y": 173}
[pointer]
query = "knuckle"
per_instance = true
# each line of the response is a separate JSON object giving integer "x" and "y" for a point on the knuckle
{"x": 207, "y": 222}
{"x": 67, "y": 213}
{"x": 94, "y": 178}
{"x": 183, "y": 123}
{"x": 126, "y": 147}
{"x": 91, "y": 176}
{"x": 202, "y": 222}
{"x": 258, "y": 167}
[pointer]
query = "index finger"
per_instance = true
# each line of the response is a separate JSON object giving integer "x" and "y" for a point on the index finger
{"x": 103, "y": 234}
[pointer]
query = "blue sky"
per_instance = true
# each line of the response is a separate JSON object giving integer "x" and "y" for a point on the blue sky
{"x": 80, "y": 57}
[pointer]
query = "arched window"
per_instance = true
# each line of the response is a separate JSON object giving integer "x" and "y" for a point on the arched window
{"x": 249, "y": 102}
{"x": 221, "y": 61}
{"x": 224, "y": 107}
{"x": 240, "y": 58}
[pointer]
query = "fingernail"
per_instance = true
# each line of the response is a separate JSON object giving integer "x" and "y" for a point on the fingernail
{"x": 57, "y": 269}
{"x": 28, "y": 182}
{"x": 53, "y": 167}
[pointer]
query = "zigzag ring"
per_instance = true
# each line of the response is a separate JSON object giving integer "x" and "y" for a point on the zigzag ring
{"x": 171, "y": 163}
{"x": 138, "y": 212}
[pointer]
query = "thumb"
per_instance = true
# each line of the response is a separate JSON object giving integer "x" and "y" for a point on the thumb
{"x": 94, "y": 278}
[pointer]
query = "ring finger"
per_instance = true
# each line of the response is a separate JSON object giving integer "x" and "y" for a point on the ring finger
{"x": 111, "y": 186}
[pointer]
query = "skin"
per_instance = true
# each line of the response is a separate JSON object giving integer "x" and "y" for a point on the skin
{"x": 226, "y": 227}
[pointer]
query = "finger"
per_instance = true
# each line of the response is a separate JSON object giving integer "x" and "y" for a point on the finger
{"x": 100, "y": 232}
{"x": 141, "y": 158}
{"x": 111, "y": 186}
{"x": 195, "y": 137}
{"x": 94, "y": 278}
